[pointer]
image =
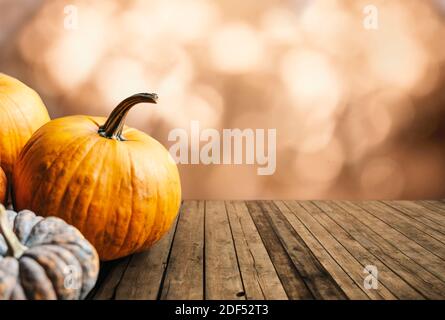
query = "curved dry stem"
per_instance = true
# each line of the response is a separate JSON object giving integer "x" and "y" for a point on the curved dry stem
{"x": 15, "y": 247}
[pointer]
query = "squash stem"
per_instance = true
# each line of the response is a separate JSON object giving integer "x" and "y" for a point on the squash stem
{"x": 15, "y": 248}
{"x": 112, "y": 129}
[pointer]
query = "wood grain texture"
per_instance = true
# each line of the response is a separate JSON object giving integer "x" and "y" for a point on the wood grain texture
{"x": 420, "y": 220}
{"x": 370, "y": 236}
{"x": 346, "y": 283}
{"x": 144, "y": 273}
{"x": 292, "y": 281}
{"x": 438, "y": 207}
{"x": 336, "y": 249}
{"x": 288, "y": 250}
{"x": 258, "y": 272}
{"x": 426, "y": 237}
{"x": 422, "y": 214}
{"x": 317, "y": 279}
{"x": 184, "y": 277}
{"x": 390, "y": 233}
{"x": 222, "y": 274}
{"x": 108, "y": 287}
{"x": 386, "y": 277}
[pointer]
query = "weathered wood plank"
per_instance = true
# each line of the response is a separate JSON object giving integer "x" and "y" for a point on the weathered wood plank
{"x": 184, "y": 277}
{"x": 391, "y": 280}
{"x": 389, "y": 271}
{"x": 104, "y": 270}
{"x": 292, "y": 282}
{"x": 346, "y": 283}
{"x": 107, "y": 288}
{"x": 435, "y": 206}
{"x": 369, "y": 236}
{"x": 289, "y": 249}
{"x": 222, "y": 275}
{"x": 422, "y": 214}
{"x": 336, "y": 250}
{"x": 428, "y": 238}
{"x": 317, "y": 279}
{"x": 410, "y": 248}
{"x": 143, "y": 276}
{"x": 418, "y": 218}
{"x": 258, "y": 273}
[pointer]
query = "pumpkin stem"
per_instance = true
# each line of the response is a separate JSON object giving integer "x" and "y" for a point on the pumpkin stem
{"x": 112, "y": 129}
{"x": 16, "y": 249}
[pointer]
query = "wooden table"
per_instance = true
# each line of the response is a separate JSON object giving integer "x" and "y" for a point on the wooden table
{"x": 289, "y": 250}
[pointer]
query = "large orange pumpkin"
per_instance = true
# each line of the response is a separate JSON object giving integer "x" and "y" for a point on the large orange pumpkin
{"x": 22, "y": 112}
{"x": 117, "y": 185}
{"x": 3, "y": 187}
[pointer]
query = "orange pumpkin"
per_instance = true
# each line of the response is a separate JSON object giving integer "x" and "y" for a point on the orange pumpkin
{"x": 3, "y": 186}
{"x": 22, "y": 112}
{"x": 117, "y": 185}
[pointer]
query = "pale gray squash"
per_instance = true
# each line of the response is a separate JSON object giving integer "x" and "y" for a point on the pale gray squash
{"x": 44, "y": 258}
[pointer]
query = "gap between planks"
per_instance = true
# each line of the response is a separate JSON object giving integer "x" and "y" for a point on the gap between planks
{"x": 280, "y": 249}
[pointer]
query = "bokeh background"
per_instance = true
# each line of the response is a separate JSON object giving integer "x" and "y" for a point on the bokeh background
{"x": 359, "y": 113}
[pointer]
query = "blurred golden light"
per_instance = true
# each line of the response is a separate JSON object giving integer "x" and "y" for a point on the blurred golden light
{"x": 353, "y": 108}
{"x": 397, "y": 59}
{"x": 390, "y": 111}
{"x": 280, "y": 26}
{"x": 71, "y": 58}
{"x": 382, "y": 176}
{"x": 109, "y": 79}
{"x": 322, "y": 166}
{"x": 312, "y": 82}
{"x": 374, "y": 122}
{"x": 332, "y": 26}
{"x": 235, "y": 176}
{"x": 315, "y": 136}
{"x": 188, "y": 20}
{"x": 201, "y": 109}
{"x": 204, "y": 105}
{"x": 236, "y": 48}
